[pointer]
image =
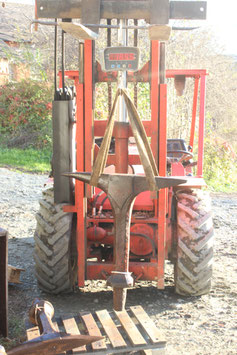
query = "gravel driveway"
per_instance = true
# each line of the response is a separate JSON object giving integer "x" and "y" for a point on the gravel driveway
{"x": 202, "y": 325}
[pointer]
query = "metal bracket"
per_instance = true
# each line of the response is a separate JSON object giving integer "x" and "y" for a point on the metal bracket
{"x": 160, "y": 12}
{"x": 91, "y": 12}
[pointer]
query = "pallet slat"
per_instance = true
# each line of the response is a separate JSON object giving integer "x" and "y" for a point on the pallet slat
{"x": 71, "y": 327}
{"x": 138, "y": 332}
{"x": 133, "y": 333}
{"x": 111, "y": 330}
{"x": 147, "y": 324}
{"x": 55, "y": 324}
{"x": 93, "y": 329}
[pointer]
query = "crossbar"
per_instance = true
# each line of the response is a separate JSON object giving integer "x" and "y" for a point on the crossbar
{"x": 110, "y": 9}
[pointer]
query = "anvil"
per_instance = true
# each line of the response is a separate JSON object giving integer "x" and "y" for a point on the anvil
{"x": 122, "y": 190}
{"x": 50, "y": 341}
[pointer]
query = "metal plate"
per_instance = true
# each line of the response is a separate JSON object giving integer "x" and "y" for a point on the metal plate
{"x": 121, "y": 9}
{"x": 120, "y": 59}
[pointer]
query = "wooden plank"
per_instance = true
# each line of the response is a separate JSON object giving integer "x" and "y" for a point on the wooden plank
{"x": 3, "y": 283}
{"x": 159, "y": 32}
{"x": 93, "y": 329}
{"x": 14, "y": 274}
{"x": 111, "y": 330}
{"x": 55, "y": 324}
{"x": 147, "y": 324}
{"x": 71, "y": 327}
{"x": 133, "y": 333}
{"x": 77, "y": 30}
{"x": 32, "y": 333}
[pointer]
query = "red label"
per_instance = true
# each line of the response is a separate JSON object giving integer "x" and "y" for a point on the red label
{"x": 121, "y": 56}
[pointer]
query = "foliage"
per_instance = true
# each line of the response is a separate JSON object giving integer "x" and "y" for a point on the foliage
{"x": 25, "y": 113}
{"x": 199, "y": 49}
{"x": 220, "y": 170}
{"x": 26, "y": 159}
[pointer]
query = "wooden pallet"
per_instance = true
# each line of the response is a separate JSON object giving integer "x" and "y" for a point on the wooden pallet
{"x": 124, "y": 332}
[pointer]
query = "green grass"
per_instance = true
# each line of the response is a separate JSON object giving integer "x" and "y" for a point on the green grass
{"x": 222, "y": 179}
{"x": 16, "y": 335}
{"x": 30, "y": 160}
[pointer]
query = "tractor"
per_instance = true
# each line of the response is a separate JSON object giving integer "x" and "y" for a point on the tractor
{"x": 83, "y": 231}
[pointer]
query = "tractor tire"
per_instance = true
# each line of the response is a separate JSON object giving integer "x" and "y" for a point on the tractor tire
{"x": 54, "y": 266}
{"x": 194, "y": 251}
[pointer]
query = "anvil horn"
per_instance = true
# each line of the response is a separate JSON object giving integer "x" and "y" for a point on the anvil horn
{"x": 85, "y": 177}
{"x": 162, "y": 182}
{"x": 103, "y": 181}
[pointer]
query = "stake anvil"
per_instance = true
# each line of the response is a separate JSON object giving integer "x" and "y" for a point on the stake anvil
{"x": 122, "y": 189}
{"x": 50, "y": 341}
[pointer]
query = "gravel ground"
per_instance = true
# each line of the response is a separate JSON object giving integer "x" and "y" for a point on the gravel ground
{"x": 202, "y": 325}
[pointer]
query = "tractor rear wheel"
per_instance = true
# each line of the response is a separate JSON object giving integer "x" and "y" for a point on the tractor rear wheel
{"x": 55, "y": 268}
{"x": 194, "y": 257}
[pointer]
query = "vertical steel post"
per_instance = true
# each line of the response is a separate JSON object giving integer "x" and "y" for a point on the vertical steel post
{"x": 122, "y": 126}
{"x": 162, "y": 200}
{"x": 194, "y": 112}
{"x": 155, "y": 53}
{"x": 201, "y": 126}
{"x": 80, "y": 163}
{"x": 88, "y": 108}
{"x": 158, "y": 146}
{"x": 3, "y": 283}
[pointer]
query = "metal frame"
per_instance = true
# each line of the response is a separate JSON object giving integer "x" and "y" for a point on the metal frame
{"x": 155, "y": 11}
{"x": 153, "y": 270}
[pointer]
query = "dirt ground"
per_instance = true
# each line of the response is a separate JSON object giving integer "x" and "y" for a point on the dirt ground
{"x": 202, "y": 325}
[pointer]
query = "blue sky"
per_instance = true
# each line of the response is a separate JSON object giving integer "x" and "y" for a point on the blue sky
{"x": 221, "y": 16}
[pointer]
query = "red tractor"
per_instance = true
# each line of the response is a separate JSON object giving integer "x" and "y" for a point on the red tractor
{"x": 75, "y": 235}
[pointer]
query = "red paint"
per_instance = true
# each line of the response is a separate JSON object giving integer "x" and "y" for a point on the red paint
{"x": 142, "y": 239}
{"x": 162, "y": 193}
{"x": 96, "y": 234}
{"x": 88, "y": 116}
{"x": 154, "y": 97}
{"x": 177, "y": 169}
{"x": 142, "y": 271}
{"x": 194, "y": 113}
{"x": 161, "y": 226}
{"x": 201, "y": 126}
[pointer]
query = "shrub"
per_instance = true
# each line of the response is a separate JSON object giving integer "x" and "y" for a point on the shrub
{"x": 219, "y": 166}
{"x": 25, "y": 113}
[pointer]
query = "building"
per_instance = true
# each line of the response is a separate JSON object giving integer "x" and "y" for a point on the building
{"x": 14, "y": 33}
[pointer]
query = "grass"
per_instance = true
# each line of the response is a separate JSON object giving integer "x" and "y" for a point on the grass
{"x": 221, "y": 186}
{"x": 29, "y": 160}
{"x": 16, "y": 333}
{"x": 222, "y": 179}
{"x": 38, "y": 161}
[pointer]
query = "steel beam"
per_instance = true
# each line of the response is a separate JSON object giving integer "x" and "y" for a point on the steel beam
{"x": 122, "y": 190}
{"x": 109, "y": 9}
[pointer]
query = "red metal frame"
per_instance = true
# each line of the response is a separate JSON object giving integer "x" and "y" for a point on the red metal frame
{"x": 201, "y": 126}
{"x": 156, "y": 129}
{"x": 162, "y": 201}
{"x": 88, "y": 92}
{"x": 194, "y": 113}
